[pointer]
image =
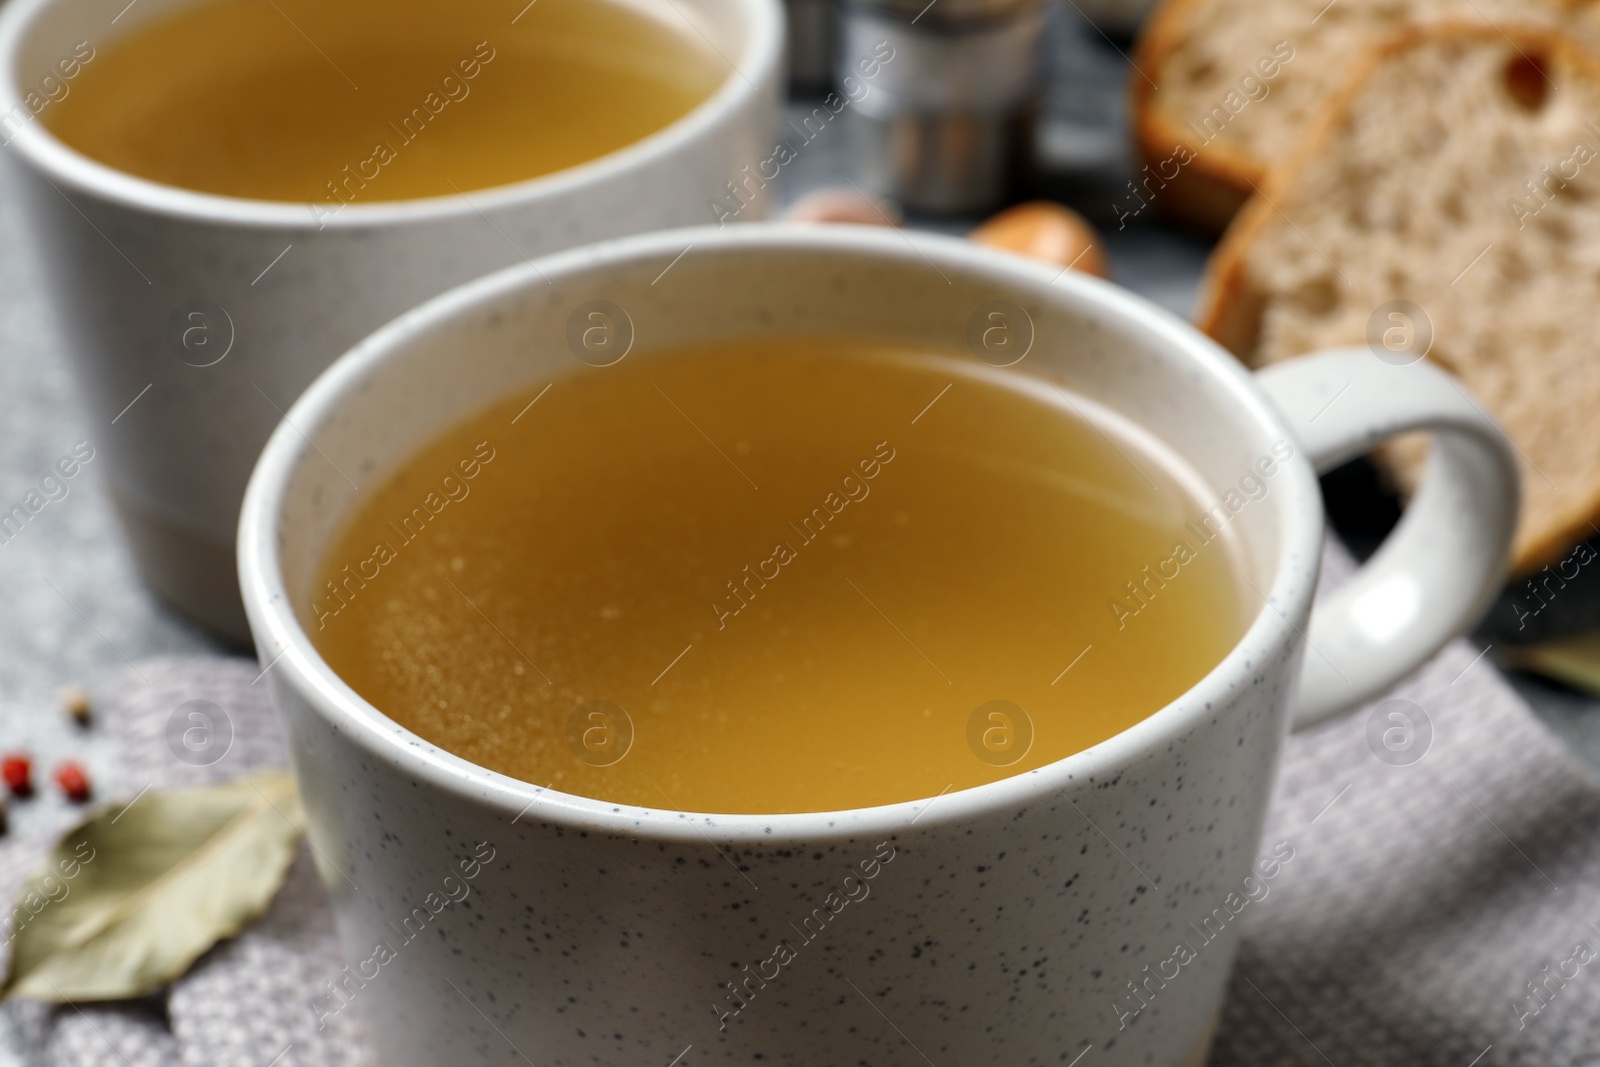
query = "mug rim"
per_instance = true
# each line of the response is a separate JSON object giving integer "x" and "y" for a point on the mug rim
{"x": 757, "y": 65}
{"x": 283, "y": 643}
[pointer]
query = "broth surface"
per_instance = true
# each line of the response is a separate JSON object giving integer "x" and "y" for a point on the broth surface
{"x": 370, "y": 100}
{"x": 777, "y": 576}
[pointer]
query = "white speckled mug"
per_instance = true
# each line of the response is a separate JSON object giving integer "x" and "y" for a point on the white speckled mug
{"x": 194, "y": 320}
{"x": 1086, "y": 903}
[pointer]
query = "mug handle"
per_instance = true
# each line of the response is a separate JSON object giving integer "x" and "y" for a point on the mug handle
{"x": 1438, "y": 571}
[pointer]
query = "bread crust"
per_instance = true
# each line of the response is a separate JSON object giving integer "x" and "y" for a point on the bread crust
{"x": 1214, "y": 186}
{"x": 1230, "y": 310}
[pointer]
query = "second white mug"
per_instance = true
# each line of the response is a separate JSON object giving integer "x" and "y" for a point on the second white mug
{"x": 195, "y": 320}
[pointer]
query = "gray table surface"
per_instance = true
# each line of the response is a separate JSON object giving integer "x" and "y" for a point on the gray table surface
{"x": 72, "y": 610}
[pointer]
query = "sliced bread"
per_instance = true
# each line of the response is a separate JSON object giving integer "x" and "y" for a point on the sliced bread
{"x": 1459, "y": 170}
{"x": 1234, "y": 82}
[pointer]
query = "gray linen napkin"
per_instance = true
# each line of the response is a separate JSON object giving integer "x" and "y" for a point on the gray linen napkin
{"x": 1435, "y": 912}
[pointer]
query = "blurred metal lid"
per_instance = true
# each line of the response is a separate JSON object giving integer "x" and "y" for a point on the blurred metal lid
{"x": 945, "y": 15}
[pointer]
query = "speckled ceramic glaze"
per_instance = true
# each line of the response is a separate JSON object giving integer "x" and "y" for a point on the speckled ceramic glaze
{"x": 1030, "y": 921}
{"x": 209, "y": 315}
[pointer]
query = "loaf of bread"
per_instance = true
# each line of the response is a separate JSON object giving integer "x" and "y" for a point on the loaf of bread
{"x": 1446, "y": 204}
{"x": 1231, "y": 84}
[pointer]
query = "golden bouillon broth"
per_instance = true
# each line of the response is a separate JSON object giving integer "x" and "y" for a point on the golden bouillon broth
{"x": 368, "y": 100}
{"x": 777, "y": 576}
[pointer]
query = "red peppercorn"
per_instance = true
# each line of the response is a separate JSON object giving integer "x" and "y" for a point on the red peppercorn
{"x": 18, "y": 772}
{"x": 74, "y": 781}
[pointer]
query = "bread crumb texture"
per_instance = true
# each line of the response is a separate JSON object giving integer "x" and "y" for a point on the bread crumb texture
{"x": 1198, "y": 52}
{"x": 1462, "y": 175}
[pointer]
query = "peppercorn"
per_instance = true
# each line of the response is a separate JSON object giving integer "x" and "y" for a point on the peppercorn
{"x": 17, "y": 770}
{"x": 75, "y": 702}
{"x": 73, "y": 780}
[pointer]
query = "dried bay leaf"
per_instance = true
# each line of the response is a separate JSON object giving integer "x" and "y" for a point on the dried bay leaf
{"x": 1573, "y": 660}
{"x": 153, "y": 885}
